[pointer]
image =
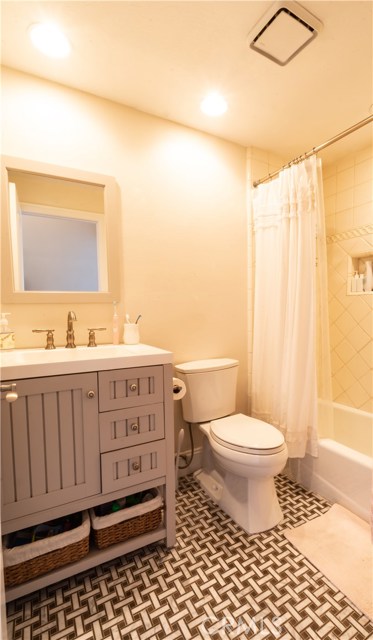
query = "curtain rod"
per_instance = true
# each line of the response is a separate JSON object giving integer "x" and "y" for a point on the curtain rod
{"x": 320, "y": 147}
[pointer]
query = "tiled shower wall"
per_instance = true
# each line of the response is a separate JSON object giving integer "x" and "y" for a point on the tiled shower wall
{"x": 348, "y": 194}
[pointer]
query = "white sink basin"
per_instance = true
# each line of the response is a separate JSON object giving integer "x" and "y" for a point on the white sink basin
{"x": 29, "y": 363}
{"x": 42, "y": 356}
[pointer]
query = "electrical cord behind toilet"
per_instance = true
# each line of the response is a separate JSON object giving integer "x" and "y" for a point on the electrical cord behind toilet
{"x": 178, "y": 455}
{"x": 183, "y": 456}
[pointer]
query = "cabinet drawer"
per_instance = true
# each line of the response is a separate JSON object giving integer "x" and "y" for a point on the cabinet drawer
{"x": 128, "y": 467}
{"x": 129, "y": 427}
{"x": 126, "y": 388}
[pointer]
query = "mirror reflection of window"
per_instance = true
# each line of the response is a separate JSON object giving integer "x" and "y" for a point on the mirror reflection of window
{"x": 47, "y": 240}
{"x": 70, "y": 222}
{"x": 57, "y": 248}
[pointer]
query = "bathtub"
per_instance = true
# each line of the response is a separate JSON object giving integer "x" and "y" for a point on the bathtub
{"x": 342, "y": 472}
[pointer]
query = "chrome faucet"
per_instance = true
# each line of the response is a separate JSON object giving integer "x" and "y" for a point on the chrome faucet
{"x": 70, "y": 344}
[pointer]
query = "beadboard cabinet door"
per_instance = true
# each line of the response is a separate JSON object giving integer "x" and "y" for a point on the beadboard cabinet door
{"x": 50, "y": 444}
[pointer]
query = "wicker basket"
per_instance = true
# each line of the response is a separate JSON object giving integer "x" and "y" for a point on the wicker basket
{"x": 45, "y": 555}
{"x": 127, "y": 523}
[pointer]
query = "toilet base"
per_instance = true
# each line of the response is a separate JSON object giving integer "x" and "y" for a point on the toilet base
{"x": 211, "y": 485}
{"x": 251, "y": 503}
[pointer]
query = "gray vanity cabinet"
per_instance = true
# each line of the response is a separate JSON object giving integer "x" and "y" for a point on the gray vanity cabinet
{"x": 50, "y": 444}
{"x": 74, "y": 441}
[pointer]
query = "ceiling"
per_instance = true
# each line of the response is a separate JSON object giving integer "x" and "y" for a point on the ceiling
{"x": 163, "y": 57}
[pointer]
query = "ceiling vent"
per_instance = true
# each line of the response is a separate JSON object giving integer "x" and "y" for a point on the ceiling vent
{"x": 285, "y": 29}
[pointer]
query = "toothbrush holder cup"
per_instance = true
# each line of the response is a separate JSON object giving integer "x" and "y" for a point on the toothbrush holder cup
{"x": 131, "y": 333}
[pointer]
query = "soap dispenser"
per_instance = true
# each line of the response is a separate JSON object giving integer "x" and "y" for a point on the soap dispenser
{"x": 7, "y": 338}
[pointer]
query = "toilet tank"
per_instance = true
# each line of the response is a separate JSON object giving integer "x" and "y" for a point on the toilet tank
{"x": 211, "y": 388}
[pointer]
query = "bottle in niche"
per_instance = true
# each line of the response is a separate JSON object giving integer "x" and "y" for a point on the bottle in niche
{"x": 368, "y": 280}
{"x": 361, "y": 282}
{"x": 354, "y": 282}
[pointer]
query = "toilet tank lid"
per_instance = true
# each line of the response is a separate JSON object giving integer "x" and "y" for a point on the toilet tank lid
{"x": 212, "y": 364}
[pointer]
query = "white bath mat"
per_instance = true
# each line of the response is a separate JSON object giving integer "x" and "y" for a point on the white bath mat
{"x": 339, "y": 544}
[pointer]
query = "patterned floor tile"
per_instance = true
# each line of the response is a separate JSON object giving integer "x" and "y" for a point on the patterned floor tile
{"x": 216, "y": 583}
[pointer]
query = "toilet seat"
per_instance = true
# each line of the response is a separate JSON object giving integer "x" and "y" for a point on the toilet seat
{"x": 247, "y": 435}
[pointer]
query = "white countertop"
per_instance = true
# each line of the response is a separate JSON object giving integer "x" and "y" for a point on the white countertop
{"x": 35, "y": 363}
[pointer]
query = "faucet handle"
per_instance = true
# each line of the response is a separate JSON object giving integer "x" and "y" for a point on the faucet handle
{"x": 50, "y": 339}
{"x": 92, "y": 337}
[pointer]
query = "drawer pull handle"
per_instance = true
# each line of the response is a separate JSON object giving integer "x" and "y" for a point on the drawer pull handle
{"x": 134, "y": 426}
{"x": 135, "y": 466}
{"x": 91, "y": 394}
{"x": 133, "y": 386}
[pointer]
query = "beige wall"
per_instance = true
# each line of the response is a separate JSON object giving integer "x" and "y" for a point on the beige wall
{"x": 183, "y": 215}
{"x": 348, "y": 191}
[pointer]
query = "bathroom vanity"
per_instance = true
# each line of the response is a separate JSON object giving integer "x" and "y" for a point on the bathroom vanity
{"x": 89, "y": 425}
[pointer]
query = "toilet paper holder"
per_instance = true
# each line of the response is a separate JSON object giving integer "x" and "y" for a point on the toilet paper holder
{"x": 178, "y": 389}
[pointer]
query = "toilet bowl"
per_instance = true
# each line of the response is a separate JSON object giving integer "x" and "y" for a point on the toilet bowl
{"x": 241, "y": 455}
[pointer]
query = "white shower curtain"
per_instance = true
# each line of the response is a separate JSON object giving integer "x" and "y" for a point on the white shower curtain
{"x": 288, "y": 221}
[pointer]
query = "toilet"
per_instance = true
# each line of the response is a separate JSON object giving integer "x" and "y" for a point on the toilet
{"x": 241, "y": 455}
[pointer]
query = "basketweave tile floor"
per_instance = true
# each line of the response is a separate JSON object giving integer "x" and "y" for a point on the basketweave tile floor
{"x": 217, "y": 582}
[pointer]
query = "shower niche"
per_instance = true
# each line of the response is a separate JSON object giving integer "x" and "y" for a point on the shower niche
{"x": 360, "y": 274}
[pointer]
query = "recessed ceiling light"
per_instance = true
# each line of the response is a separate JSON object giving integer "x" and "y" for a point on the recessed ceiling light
{"x": 214, "y": 105}
{"x": 50, "y": 40}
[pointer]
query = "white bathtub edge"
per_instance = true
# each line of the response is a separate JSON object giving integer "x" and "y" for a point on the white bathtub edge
{"x": 339, "y": 474}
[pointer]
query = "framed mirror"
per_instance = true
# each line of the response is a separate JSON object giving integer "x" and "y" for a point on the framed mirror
{"x": 60, "y": 234}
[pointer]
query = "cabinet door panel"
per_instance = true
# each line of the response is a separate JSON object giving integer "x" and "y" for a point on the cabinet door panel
{"x": 51, "y": 433}
{"x": 126, "y": 388}
{"x": 129, "y": 427}
{"x": 15, "y": 458}
{"x": 68, "y": 435}
{"x": 50, "y": 444}
{"x": 129, "y": 467}
{"x": 37, "y": 444}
